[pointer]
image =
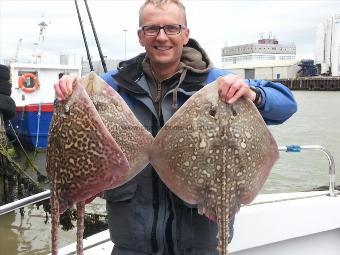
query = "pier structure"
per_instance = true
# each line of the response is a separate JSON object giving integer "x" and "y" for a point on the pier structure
{"x": 317, "y": 83}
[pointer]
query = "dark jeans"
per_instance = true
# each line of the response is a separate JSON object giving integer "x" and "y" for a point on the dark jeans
{"x": 124, "y": 251}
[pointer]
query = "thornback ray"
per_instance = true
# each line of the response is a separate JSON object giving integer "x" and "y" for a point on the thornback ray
{"x": 83, "y": 157}
{"x": 134, "y": 140}
{"x": 215, "y": 155}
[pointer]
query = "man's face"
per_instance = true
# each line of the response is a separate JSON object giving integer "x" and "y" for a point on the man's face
{"x": 164, "y": 51}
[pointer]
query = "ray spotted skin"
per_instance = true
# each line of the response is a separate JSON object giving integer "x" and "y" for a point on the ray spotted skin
{"x": 215, "y": 155}
{"x": 83, "y": 158}
{"x": 134, "y": 140}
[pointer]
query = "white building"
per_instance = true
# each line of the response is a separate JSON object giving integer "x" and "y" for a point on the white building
{"x": 267, "y": 71}
{"x": 97, "y": 66}
{"x": 327, "y": 46}
{"x": 267, "y": 59}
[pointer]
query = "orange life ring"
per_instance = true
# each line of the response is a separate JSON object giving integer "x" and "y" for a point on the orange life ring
{"x": 22, "y": 82}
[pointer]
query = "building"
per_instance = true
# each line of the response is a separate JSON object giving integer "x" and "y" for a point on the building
{"x": 97, "y": 66}
{"x": 266, "y": 59}
{"x": 327, "y": 46}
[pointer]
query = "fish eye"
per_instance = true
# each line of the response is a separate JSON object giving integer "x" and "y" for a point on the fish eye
{"x": 233, "y": 110}
{"x": 212, "y": 111}
{"x": 99, "y": 105}
{"x": 67, "y": 109}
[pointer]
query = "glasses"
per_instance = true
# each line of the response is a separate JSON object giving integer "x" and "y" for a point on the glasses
{"x": 153, "y": 30}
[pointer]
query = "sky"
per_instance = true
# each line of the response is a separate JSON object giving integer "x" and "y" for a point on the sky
{"x": 214, "y": 23}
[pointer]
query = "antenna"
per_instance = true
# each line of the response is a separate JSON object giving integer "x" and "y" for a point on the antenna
{"x": 270, "y": 34}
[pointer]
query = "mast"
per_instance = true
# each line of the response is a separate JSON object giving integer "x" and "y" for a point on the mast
{"x": 39, "y": 45}
{"x": 95, "y": 36}
{"x": 84, "y": 37}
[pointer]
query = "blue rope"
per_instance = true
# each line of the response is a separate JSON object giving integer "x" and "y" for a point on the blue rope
{"x": 38, "y": 127}
{"x": 293, "y": 148}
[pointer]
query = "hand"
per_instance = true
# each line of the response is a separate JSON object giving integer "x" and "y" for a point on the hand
{"x": 64, "y": 87}
{"x": 232, "y": 87}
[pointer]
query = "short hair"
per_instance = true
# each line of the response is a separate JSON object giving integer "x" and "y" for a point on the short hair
{"x": 160, "y": 3}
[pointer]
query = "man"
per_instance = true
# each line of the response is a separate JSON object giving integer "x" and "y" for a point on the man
{"x": 144, "y": 216}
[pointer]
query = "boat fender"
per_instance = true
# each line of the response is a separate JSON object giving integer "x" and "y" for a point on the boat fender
{"x": 22, "y": 82}
{"x": 7, "y": 107}
{"x": 5, "y": 87}
{"x": 4, "y": 72}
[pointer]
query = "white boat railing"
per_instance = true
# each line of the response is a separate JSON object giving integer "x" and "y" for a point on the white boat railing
{"x": 289, "y": 148}
{"x": 24, "y": 202}
{"x": 331, "y": 163}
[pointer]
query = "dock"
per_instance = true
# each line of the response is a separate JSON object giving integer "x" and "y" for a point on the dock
{"x": 317, "y": 83}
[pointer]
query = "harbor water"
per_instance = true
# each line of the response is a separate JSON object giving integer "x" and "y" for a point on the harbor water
{"x": 317, "y": 122}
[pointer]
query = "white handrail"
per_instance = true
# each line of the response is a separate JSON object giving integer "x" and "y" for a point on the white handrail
{"x": 331, "y": 163}
{"x": 25, "y": 201}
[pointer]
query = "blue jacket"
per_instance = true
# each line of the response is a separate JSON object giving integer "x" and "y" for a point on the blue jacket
{"x": 144, "y": 216}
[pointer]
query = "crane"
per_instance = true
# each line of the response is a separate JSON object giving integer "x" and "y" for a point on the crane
{"x": 17, "y": 50}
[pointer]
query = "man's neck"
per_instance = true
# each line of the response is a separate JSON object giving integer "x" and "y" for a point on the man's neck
{"x": 162, "y": 74}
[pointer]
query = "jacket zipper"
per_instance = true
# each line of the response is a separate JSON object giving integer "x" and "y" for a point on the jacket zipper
{"x": 158, "y": 98}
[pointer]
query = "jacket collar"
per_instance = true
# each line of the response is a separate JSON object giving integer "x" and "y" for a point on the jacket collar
{"x": 131, "y": 71}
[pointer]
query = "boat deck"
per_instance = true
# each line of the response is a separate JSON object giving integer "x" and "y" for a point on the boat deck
{"x": 284, "y": 223}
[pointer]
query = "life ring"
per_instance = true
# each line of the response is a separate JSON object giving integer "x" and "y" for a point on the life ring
{"x": 22, "y": 82}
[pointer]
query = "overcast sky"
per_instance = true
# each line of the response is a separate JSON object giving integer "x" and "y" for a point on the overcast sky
{"x": 213, "y": 23}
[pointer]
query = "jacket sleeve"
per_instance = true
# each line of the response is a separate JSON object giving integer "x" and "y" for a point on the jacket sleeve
{"x": 107, "y": 77}
{"x": 278, "y": 103}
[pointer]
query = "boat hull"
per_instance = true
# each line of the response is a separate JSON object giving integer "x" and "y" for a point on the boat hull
{"x": 31, "y": 124}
